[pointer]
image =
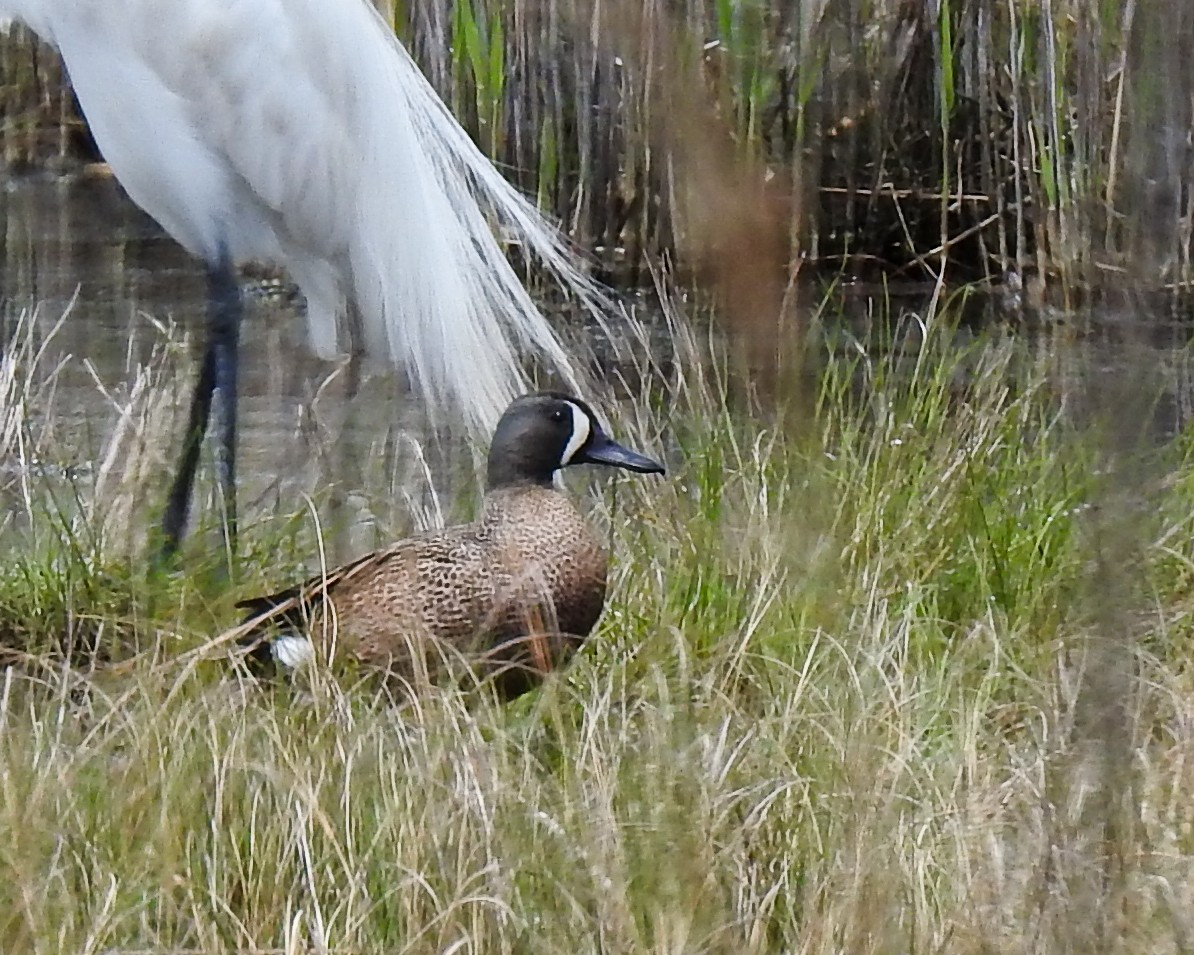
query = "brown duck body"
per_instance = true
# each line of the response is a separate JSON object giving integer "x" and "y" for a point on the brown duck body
{"x": 529, "y": 562}
{"x": 512, "y": 595}
{"x": 516, "y": 592}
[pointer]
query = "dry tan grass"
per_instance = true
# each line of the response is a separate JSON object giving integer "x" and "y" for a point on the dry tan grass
{"x": 852, "y": 693}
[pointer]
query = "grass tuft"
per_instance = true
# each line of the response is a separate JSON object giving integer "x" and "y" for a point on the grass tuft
{"x": 853, "y": 691}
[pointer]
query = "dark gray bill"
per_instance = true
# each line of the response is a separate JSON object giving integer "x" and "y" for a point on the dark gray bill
{"x": 602, "y": 450}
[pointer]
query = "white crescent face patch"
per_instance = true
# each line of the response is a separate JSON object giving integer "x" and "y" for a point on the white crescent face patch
{"x": 581, "y": 429}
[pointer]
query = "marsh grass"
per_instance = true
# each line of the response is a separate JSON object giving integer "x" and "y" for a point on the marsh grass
{"x": 855, "y": 690}
{"x": 1037, "y": 143}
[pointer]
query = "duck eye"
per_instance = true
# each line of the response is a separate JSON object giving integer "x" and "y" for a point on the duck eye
{"x": 558, "y": 415}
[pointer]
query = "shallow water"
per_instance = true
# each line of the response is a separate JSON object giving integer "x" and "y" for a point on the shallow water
{"x": 77, "y": 247}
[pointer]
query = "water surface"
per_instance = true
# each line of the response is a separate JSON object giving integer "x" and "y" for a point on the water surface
{"x": 77, "y": 247}
{"x": 105, "y": 290}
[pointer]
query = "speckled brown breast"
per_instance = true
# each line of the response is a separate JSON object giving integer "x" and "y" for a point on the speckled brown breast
{"x": 515, "y": 592}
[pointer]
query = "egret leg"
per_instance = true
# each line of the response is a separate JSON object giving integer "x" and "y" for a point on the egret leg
{"x": 343, "y": 467}
{"x": 217, "y": 375}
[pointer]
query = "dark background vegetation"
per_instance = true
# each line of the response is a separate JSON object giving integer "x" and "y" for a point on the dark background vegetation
{"x": 970, "y": 139}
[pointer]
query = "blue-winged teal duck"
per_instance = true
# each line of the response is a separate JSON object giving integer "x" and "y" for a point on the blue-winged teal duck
{"x": 513, "y": 593}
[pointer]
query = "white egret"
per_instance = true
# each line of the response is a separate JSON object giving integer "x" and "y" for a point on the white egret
{"x": 300, "y": 132}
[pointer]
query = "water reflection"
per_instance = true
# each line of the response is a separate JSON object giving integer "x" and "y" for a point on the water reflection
{"x": 79, "y": 247}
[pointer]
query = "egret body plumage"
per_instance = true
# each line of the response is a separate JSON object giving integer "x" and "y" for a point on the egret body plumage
{"x": 301, "y": 133}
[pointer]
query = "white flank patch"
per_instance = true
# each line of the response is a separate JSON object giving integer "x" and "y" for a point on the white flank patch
{"x": 581, "y": 429}
{"x": 292, "y": 651}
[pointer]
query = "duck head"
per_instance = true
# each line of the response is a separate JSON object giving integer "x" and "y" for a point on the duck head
{"x": 545, "y": 431}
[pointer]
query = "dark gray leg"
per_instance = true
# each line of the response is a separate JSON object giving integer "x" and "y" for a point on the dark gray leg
{"x": 343, "y": 467}
{"x": 217, "y": 375}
